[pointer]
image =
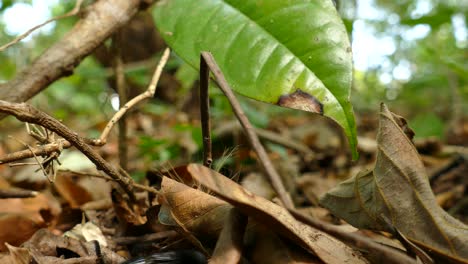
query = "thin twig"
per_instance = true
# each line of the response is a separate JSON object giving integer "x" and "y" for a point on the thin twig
{"x": 136, "y": 185}
{"x": 233, "y": 126}
{"x": 147, "y": 94}
{"x": 42, "y": 150}
{"x": 17, "y": 193}
{"x": 265, "y": 161}
{"x": 146, "y": 238}
{"x": 39, "y": 163}
{"x": 411, "y": 248}
{"x": 390, "y": 256}
{"x": 122, "y": 91}
{"x": 73, "y": 12}
{"x": 205, "y": 113}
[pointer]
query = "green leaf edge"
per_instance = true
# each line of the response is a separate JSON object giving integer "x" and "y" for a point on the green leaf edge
{"x": 343, "y": 101}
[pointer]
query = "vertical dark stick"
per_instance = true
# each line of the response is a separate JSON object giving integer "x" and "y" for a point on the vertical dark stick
{"x": 122, "y": 91}
{"x": 253, "y": 138}
{"x": 205, "y": 112}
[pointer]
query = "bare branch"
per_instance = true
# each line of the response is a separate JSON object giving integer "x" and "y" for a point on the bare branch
{"x": 27, "y": 113}
{"x": 99, "y": 21}
{"x": 73, "y": 12}
{"x": 42, "y": 150}
{"x": 147, "y": 94}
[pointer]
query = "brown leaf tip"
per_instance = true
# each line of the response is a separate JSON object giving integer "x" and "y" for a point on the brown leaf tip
{"x": 302, "y": 101}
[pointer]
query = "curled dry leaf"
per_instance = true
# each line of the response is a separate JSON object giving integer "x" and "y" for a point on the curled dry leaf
{"x": 275, "y": 217}
{"x": 398, "y": 189}
{"x": 192, "y": 209}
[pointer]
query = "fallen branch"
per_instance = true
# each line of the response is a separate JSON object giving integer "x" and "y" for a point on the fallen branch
{"x": 42, "y": 150}
{"x": 27, "y": 113}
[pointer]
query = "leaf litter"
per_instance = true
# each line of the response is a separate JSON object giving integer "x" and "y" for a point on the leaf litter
{"x": 197, "y": 203}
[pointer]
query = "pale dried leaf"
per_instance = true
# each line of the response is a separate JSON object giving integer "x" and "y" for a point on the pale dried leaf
{"x": 275, "y": 217}
{"x": 398, "y": 189}
{"x": 194, "y": 210}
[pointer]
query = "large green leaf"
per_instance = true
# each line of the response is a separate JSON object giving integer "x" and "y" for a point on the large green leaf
{"x": 293, "y": 53}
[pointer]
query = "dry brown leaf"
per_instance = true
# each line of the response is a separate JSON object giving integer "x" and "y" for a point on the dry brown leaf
{"x": 26, "y": 216}
{"x": 398, "y": 189}
{"x": 18, "y": 255}
{"x": 127, "y": 212}
{"x": 194, "y": 210}
{"x": 67, "y": 186}
{"x": 230, "y": 243}
{"x": 24, "y": 227}
{"x": 87, "y": 232}
{"x": 270, "y": 249}
{"x": 275, "y": 217}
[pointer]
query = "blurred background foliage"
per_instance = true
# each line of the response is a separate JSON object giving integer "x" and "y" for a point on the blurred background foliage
{"x": 411, "y": 55}
{"x": 421, "y": 70}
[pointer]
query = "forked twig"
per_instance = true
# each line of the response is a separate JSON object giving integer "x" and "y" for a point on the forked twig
{"x": 265, "y": 162}
{"x": 147, "y": 94}
{"x": 64, "y": 144}
{"x": 38, "y": 162}
{"x": 72, "y": 12}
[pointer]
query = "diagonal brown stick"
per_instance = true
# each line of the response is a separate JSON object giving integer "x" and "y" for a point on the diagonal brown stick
{"x": 387, "y": 254}
{"x": 265, "y": 161}
{"x": 27, "y": 113}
